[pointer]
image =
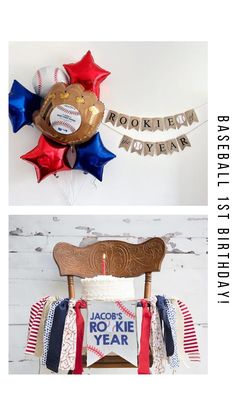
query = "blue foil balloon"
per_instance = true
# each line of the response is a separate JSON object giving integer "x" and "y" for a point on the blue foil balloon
{"x": 92, "y": 156}
{"x": 22, "y": 104}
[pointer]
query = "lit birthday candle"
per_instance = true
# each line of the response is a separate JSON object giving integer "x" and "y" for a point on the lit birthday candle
{"x": 104, "y": 264}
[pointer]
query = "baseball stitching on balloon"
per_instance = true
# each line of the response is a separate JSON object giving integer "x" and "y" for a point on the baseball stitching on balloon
{"x": 125, "y": 310}
{"x": 70, "y": 112}
{"x": 39, "y": 80}
{"x": 55, "y": 74}
{"x": 96, "y": 351}
{"x": 65, "y": 124}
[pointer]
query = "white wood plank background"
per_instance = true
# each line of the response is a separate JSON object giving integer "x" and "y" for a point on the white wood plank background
{"x": 33, "y": 272}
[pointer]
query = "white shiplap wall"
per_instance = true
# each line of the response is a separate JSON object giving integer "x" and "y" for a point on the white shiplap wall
{"x": 33, "y": 272}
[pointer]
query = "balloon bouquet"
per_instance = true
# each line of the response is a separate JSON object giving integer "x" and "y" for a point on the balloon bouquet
{"x": 67, "y": 110}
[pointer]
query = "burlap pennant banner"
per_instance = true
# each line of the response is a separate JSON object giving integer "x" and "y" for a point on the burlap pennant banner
{"x": 148, "y": 148}
{"x": 126, "y": 142}
{"x": 186, "y": 118}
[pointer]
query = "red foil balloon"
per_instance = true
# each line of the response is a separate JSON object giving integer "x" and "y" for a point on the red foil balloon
{"x": 47, "y": 158}
{"x": 88, "y": 73}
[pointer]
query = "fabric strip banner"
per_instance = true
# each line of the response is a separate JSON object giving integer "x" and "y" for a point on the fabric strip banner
{"x": 186, "y": 118}
{"x": 147, "y": 148}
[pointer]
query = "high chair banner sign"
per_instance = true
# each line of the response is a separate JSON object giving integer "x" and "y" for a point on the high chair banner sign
{"x": 111, "y": 327}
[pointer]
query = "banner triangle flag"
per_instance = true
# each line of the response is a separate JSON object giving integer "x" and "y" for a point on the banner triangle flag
{"x": 111, "y": 328}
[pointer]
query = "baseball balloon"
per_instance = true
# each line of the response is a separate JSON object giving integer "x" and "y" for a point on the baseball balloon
{"x": 46, "y": 77}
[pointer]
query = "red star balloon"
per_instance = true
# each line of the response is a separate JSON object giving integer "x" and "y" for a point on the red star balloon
{"x": 88, "y": 73}
{"x": 47, "y": 158}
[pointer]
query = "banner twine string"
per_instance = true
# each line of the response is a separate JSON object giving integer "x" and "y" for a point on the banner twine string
{"x": 188, "y": 132}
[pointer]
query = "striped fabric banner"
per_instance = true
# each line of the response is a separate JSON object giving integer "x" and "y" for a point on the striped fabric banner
{"x": 34, "y": 322}
{"x": 190, "y": 338}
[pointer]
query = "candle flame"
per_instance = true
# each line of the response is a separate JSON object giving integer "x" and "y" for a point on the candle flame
{"x": 104, "y": 256}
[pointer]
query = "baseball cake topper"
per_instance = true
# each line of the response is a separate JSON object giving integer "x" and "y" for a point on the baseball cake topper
{"x": 67, "y": 110}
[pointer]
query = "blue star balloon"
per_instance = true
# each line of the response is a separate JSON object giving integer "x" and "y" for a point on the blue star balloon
{"x": 92, "y": 156}
{"x": 22, "y": 104}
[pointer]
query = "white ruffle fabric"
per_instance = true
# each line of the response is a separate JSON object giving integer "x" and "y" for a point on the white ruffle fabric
{"x": 107, "y": 288}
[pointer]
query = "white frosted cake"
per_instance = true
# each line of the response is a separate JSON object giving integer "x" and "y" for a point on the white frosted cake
{"x": 107, "y": 288}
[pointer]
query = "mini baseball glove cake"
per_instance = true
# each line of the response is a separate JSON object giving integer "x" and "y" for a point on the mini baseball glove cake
{"x": 69, "y": 114}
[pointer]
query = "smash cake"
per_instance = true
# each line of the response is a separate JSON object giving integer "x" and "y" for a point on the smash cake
{"x": 107, "y": 288}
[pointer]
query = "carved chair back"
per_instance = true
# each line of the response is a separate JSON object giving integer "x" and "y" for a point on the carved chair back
{"x": 122, "y": 260}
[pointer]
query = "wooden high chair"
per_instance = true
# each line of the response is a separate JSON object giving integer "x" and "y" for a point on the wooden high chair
{"x": 122, "y": 260}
